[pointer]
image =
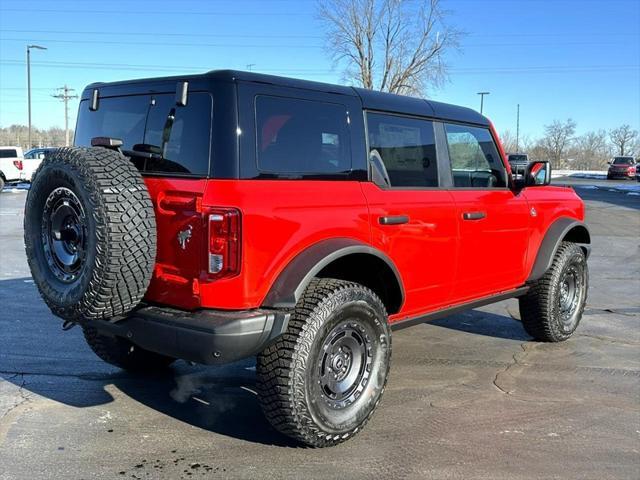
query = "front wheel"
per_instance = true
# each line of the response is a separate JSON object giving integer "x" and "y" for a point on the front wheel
{"x": 552, "y": 308}
{"x": 322, "y": 380}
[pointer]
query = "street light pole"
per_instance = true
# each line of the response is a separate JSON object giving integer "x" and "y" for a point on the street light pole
{"x": 29, "y": 47}
{"x": 482, "y": 94}
{"x": 518, "y": 130}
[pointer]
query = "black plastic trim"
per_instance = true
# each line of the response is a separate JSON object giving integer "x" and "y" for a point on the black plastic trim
{"x": 204, "y": 336}
{"x": 409, "y": 322}
{"x": 292, "y": 281}
{"x": 552, "y": 239}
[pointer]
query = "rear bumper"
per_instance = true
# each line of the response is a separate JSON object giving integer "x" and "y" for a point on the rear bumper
{"x": 205, "y": 336}
{"x": 621, "y": 174}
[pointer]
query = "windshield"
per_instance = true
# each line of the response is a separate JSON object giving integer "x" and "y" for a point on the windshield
{"x": 623, "y": 161}
{"x": 518, "y": 158}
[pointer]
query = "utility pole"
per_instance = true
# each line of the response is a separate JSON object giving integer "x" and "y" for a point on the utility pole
{"x": 482, "y": 94}
{"x": 65, "y": 96}
{"x": 29, "y": 47}
{"x": 250, "y": 66}
{"x": 518, "y": 130}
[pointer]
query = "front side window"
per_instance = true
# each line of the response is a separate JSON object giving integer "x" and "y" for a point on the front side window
{"x": 297, "y": 136}
{"x": 475, "y": 162}
{"x": 406, "y": 148}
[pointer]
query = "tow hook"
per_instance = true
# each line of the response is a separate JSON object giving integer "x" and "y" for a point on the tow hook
{"x": 68, "y": 325}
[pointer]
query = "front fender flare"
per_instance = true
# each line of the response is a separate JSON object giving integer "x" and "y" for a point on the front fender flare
{"x": 551, "y": 241}
{"x": 294, "y": 279}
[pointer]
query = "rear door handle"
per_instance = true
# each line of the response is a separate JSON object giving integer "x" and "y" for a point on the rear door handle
{"x": 394, "y": 220}
{"x": 474, "y": 215}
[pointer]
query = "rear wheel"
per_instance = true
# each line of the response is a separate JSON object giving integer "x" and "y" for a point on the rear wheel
{"x": 124, "y": 354}
{"x": 322, "y": 380}
{"x": 1, "y": 184}
{"x": 552, "y": 308}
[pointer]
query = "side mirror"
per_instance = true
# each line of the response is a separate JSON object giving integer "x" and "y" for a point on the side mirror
{"x": 537, "y": 174}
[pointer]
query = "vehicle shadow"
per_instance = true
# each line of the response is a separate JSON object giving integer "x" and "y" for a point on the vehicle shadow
{"x": 484, "y": 323}
{"x": 37, "y": 356}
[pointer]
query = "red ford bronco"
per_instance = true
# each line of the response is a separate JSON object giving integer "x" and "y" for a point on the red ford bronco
{"x": 219, "y": 216}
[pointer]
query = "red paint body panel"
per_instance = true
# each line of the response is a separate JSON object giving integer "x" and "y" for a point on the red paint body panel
{"x": 442, "y": 259}
{"x": 491, "y": 250}
{"x": 280, "y": 219}
{"x": 424, "y": 249}
{"x": 550, "y": 203}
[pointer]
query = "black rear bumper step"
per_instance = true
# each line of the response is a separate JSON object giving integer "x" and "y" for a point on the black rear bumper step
{"x": 203, "y": 336}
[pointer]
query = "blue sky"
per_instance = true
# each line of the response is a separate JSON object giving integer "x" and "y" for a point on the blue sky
{"x": 557, "y": 58}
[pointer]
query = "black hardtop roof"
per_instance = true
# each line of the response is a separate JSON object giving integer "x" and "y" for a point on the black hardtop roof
{"x": 371, "y": 99}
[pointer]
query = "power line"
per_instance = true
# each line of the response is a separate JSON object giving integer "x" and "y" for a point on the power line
{"x": 162, "y": 34}
{"x": 242, "y": 35}
{"x": 152, "y": 12}
{"x": 164, "y": 44}
{"x": 65, "y": 95}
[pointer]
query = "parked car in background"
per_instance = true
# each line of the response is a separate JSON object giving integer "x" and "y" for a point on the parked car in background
{"x": 622, "y": 167}
{"x": 32, "y": 160}
{"x": 11, "y": 165}
{"x": 518, "y": 162}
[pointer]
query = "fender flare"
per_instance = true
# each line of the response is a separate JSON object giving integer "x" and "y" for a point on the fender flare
{"x": 551, "y": 241}
{"x": 296, "y": 276}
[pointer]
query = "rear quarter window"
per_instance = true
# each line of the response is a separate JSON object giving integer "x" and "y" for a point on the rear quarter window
{"x": 296, "y": 136}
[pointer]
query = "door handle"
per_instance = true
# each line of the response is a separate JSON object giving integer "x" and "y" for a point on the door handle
{"x": 474, "y": 215}
{"x": 394, "y": 220}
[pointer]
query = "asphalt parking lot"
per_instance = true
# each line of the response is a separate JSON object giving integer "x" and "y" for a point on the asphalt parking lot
{"x": 469, "y": 396}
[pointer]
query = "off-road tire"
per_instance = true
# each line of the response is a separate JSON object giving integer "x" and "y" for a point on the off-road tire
{"x": 117, "y": 228}
{"x": 289, "y": 370}
{"x": 124, "y": 354}
{"x": 540, "y": 308}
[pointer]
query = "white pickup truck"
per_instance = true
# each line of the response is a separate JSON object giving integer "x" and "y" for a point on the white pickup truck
{"x": 11, "y": 166}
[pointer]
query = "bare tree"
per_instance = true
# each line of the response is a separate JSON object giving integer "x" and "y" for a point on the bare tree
{"x": 557, "y": 138}
{"x": 508, "y": 140}
{"x": 623, "y": 139}
{"x": 591, "y": 151}
{"x": 390, "y": 45}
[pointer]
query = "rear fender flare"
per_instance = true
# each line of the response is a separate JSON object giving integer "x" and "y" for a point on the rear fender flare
{"x": 294, "y": 279}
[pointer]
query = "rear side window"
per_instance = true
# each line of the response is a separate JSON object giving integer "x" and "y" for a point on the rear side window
{"x": 475, "y": 162}
{"x": 406, "y": 147}
{"x": 297, "y": 136}
{"x": 5, "y": 153}
{"x": 147, "y": 125}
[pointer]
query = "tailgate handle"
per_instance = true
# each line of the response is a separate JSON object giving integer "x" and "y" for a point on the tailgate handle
{"x": 394, "y": 220}
{"x": 474, "y": 215}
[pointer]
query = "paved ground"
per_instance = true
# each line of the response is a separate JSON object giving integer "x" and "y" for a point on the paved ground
{"x": 469, "y": 396}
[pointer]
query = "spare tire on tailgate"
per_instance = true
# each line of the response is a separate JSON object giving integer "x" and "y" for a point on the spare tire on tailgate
{"x": 90, "y": 233}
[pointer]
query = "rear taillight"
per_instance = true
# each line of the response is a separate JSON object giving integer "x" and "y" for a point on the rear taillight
{"x": 17, "y": 164}
{"x": 224, "y": 242}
